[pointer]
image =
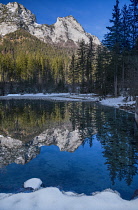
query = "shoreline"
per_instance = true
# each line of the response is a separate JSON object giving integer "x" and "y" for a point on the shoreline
{"x": 119, "y": 102}
{"x": 52, "y": 198}
{"x": 52, "y": 97}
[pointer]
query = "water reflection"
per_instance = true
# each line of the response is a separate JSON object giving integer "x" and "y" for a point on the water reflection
{"x": 28, "y": 125}
{"x": 119, "y": 140}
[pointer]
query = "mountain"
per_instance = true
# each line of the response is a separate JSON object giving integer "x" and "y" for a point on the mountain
{"x": 65, "y": 32}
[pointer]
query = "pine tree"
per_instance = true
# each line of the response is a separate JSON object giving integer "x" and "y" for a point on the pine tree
{"x": 103, "y": 74}
{"x": 112, "y": 38}
{"x": 113, "y": 42}
{"x": 133, "y": 9}
{"x": 131, "y": 61}
{"x": 90, "y": 57}
{"x": 81, "y": 64}
{"x": 72, "y": 73}
{"x": 125, "y": 29}
{"x": 125, "y": 42}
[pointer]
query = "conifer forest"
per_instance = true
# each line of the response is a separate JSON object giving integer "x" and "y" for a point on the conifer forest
{"x": 28, "y": 65}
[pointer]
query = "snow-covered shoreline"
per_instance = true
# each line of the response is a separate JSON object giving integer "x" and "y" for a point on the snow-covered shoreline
{"x": 52, "y": 198}
{"x": 52, "y": 96}
{"x": 118, "y": 102}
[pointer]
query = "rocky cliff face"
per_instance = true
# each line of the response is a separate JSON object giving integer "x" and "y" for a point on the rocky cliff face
{"x": 66, "y": 31}
{"x": 14, "y": 16}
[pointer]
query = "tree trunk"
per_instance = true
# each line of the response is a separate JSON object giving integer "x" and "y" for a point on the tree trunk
{"x": 115, "y": 78}
{"x": 115, "y": 85}
{"x": 123, "y": 75}
{"x": 136, "y": 111}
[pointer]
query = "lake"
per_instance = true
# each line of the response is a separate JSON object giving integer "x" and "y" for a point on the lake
{"x": 82, "y": 147}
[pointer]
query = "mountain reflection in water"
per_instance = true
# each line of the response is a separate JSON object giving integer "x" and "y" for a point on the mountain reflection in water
{"x": 26, "y": 125}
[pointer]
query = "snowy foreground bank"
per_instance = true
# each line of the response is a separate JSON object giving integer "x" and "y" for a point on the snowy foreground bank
{"x": 52, "y": 199}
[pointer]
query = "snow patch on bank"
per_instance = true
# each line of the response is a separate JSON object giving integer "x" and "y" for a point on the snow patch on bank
{"x": 52, "y": 198}
{"x": 117, "y": 102}
{"x": 53, "y": 96}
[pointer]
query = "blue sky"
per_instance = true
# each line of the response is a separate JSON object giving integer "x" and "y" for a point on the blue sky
{"x": 93, "y": 15}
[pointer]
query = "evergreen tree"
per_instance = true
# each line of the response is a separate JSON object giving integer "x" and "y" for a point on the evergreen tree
{"x": 113, "y": 42}
{"x": 81, "y": 64}
{"x": 72, "y": 73}
{"x": 133, "y": 9}
{"x": 90, "y": 57}
{"x": 112, "y": 38}
{"x": 125, "y": 42}
{"x": 104, "y": 74}
{"x": 125, "y": 29}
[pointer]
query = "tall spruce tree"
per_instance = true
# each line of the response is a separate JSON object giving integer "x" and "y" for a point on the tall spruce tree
{"x": 103, "y": 74}
{"x": 90, "y": 53}
{"x": 125, "y": 42}
{"x": 125, "y": 29}
{"x": 131, "y": 60}
{"x": 81, "y": 65}
{"x": 72, "y": 73}
{"x": 112, "y": 38}
{"x": 113, "y": 42}
{"x": 133, "y": 10}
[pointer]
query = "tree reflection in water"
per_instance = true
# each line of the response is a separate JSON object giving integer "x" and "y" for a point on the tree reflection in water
{"x": 68, "y": 125}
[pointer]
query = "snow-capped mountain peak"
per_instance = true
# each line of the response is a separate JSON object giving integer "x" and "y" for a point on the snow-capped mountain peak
{"x": 66, "y": 30}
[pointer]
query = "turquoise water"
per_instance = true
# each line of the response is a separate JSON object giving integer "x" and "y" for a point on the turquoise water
{"x": 99, "y": 147}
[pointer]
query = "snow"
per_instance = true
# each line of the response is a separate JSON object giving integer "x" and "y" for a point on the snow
{"x": 40, "y": 94}
{"x": 34, "y": 183}
{"x": 53, "y": 96}
{"x": 117, "y": 102}
{"x": 52, "y": 198}
{"x": 109, "y": 101}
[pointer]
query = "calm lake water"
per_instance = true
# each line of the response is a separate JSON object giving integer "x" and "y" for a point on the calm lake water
{"x": 75, "y": 146}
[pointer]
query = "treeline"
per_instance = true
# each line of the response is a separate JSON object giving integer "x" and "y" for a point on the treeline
{"x": 30, "y": 65}
{"x": 117, "y": 62}
{"x": 82, "y": 68}
{"x": 113, "y": 67}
